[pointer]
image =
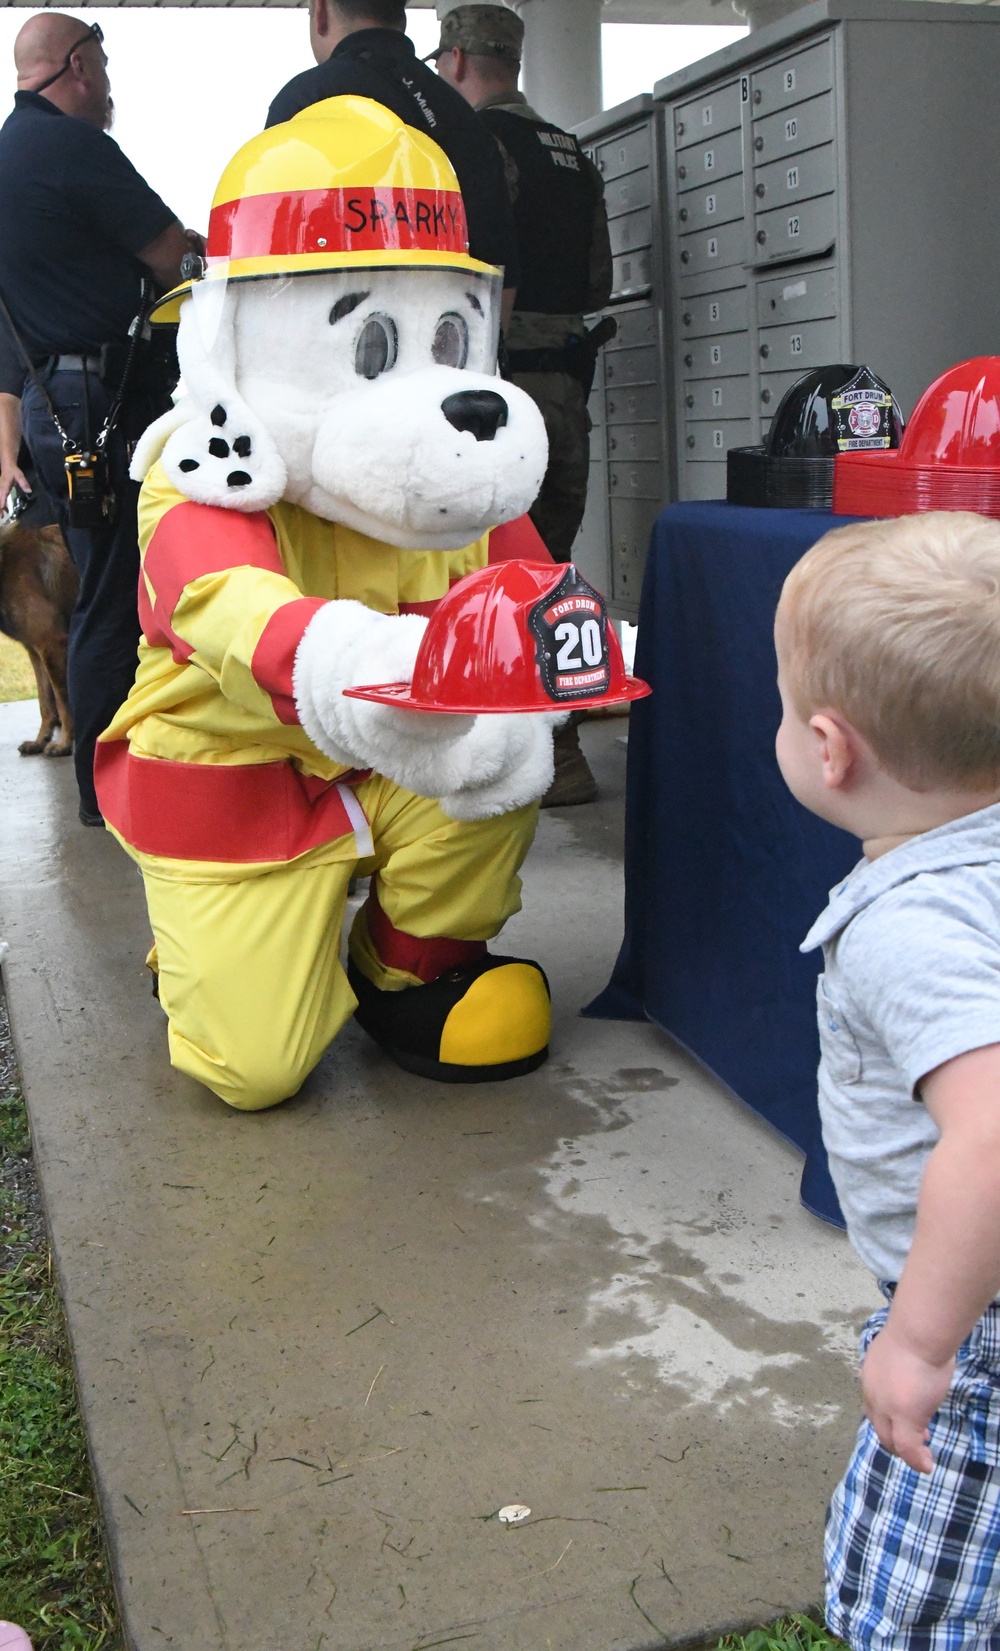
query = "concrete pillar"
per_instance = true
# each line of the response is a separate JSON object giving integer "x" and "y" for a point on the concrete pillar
{"x": 562, "y": 58}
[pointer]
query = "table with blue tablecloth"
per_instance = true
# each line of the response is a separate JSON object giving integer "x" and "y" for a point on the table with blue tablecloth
{"x": 724, "y": 870}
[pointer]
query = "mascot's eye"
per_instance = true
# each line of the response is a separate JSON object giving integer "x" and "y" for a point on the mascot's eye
{"x": 451, "y": 342}
{"x": 345, "y": 305}
{"x": 377, "y": 346}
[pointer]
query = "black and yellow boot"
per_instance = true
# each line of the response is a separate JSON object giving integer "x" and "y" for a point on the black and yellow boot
{"x": 477, "y": 1023}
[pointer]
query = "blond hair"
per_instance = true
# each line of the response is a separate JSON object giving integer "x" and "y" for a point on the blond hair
{"x": 896, "y": 625}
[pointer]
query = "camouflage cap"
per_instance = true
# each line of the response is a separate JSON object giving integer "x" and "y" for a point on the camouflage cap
{"x": 487, "y": 31}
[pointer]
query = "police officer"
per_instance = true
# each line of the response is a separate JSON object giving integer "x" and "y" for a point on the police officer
{"x": 565, "y": 256}
{"x": 81, "y": 231}
{"x": 362, "y": 50}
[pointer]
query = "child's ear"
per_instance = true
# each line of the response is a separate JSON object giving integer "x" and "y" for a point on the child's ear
{"x": 838, "y": 749}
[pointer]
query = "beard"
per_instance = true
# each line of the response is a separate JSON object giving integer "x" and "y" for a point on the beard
{"x": 109, "y": 114}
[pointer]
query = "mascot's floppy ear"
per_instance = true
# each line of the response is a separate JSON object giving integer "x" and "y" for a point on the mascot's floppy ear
{"x": 216, "y": 450}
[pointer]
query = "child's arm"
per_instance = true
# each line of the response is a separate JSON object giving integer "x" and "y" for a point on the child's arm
{"x": 952, "y": 1272}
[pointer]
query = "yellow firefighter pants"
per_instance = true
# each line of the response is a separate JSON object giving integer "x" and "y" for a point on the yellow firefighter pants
{"x": 249, "y": 957}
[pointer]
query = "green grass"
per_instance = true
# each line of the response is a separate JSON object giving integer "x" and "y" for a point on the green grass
{"x": 53, "y": 1570}
{"x": 17, "y": 679}
{"x": 797, "y": 1633}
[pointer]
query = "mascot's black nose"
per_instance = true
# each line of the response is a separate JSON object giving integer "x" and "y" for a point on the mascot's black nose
{"x": 481, "y": 411}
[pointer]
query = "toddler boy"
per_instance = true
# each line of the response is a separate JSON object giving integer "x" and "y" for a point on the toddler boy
{"x": 888, "y": 642}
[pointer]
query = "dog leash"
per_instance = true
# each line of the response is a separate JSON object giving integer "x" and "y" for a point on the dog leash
{"x": 136, "y": 331}
{"x": 67, "y": 440}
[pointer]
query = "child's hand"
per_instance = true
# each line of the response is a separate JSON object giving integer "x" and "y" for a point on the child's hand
{"x": 902, "y": 1390}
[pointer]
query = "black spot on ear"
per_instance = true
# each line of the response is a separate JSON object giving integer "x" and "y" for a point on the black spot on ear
{"x": 188, "y": 464}
{"x": 218, "y": 448}
{"x": 345, "y": 305}
{"x": 218, "y": 417}
{"x": 238, "y": 478}
{"x": 242, "y": 447}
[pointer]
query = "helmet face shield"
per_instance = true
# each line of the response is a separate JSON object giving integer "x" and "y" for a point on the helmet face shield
{"x": 314, "y": 336}
{"x": 205, "y": 310}
{"x": 357, "y": 394}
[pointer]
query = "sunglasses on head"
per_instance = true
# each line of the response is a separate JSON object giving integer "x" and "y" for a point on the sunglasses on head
{"x": 95, "y": 32}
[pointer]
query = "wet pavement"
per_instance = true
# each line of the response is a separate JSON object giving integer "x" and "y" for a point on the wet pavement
{"x": 319, "y": 1348}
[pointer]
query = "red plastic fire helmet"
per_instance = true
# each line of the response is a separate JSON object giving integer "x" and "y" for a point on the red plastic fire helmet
{"x": 519, "y": 636}
{"x": 949, "y": 458}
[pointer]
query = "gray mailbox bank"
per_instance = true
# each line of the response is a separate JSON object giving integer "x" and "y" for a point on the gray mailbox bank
{"x": 824, "y": 190}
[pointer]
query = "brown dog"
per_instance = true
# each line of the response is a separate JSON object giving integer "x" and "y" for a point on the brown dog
{"x": 38, "y": 588}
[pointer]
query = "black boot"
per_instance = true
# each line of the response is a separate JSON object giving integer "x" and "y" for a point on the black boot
{"x": 572, "y": 782}
{"x": 477, "y": 1023}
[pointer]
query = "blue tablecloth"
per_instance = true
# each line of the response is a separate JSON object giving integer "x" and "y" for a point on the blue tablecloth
{"x": 724, "y": 870}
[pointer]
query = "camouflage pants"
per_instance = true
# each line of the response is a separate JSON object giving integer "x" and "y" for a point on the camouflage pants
{"x": 558, "y": 510}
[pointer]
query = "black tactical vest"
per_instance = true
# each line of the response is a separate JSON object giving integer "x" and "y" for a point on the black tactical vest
{"x": 553, "y": 213}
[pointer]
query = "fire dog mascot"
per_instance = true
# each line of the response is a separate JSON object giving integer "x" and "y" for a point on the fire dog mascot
{"x": 342, "y": 451}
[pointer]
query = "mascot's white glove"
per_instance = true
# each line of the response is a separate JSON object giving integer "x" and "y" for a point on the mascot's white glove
{"x": 476, "y": 766}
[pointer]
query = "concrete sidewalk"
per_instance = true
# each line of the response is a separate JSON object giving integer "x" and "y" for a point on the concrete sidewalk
{"x": 353, "y": 1328}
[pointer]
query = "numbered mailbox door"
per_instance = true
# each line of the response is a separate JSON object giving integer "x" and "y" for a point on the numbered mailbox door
{"x": 792, "y": 130}
{"x": 810, "y": 227}
{"x": 713, "y": 441}
{"x": 794, "y": 79}
{"x": 710, "y": 161}
{"x": 799, "y": 178}
{"x": 714, "y": 312}
{"x": 723, "y": 398}
{"x": 713, "y": 249}
{"x": 716, "y": 357}
{"x": 720, "y": 203}
{"x": 812, "y": 344}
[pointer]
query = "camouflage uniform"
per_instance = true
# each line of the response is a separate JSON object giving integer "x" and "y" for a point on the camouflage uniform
{"x": 559, "y": 396}
{"x": 565, "y": 266}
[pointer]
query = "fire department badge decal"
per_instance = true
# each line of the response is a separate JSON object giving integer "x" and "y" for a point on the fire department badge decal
{"x": 863, "y": 414}
{"x": 570, "y": 627}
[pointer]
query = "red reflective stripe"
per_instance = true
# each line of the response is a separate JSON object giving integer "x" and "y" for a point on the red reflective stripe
{"x": 299, "y": 221}
{"x": 427, "y": 959}
{"x": 518, "y": 541}
{"x": 425, "y": 609}
{"x": 208, "y": 811}
{"x": 157, "y": 633}
{"x": 274, "y": 656}
{"x": 194, "y": 539}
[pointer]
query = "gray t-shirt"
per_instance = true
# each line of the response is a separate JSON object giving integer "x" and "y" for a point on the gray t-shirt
{"x": 911, "y": 944}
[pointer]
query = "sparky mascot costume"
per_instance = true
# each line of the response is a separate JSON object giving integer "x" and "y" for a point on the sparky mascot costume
{"x": 341, "y": 453}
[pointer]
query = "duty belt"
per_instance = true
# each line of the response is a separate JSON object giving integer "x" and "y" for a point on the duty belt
{"x": 564, "y": 360}
{"x": 577, "y": 357}
{"x": 72, "y": 364}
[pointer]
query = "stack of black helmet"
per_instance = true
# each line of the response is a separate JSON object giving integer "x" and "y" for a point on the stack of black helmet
{"x": 831, "y": 410}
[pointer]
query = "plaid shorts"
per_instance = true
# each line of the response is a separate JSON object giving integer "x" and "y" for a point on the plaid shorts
{"x": 913, "y": 1559}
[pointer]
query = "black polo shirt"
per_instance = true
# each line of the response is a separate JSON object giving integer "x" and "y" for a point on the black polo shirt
{"x": 73, "y": 214}
{"x": 382, "y": 64}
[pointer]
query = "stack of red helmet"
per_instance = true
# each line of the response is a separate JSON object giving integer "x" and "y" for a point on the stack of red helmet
{"x": 949, "y": 458}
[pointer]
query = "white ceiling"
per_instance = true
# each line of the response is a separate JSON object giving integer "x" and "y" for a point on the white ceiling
{"x": 615, "y": 11}
{"x": 619, "y": 11}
